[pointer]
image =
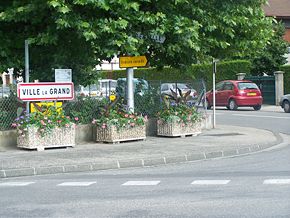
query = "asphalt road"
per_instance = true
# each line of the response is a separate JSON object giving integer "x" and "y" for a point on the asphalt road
{"x": 256, "y": 185}
{"x": 277, "y": 121}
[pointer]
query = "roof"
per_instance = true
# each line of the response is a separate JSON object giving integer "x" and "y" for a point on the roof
{"x": 278, "y": 8}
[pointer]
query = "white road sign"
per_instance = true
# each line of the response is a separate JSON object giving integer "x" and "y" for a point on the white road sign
{"x": 63, "y": 75}
{"x": 45, "y": 91}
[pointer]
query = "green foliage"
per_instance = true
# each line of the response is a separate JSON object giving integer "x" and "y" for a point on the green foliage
{"x": 8, "y": 109}
{"x": 84, "y": 108}
{"x": 286, "y": 70}
{"x": 149, "y": 103}
{"x": 271, "y": 57}
{"x": 79, "y": 34}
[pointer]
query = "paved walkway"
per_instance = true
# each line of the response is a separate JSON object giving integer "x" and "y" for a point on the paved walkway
{"x": 224, "y": 141}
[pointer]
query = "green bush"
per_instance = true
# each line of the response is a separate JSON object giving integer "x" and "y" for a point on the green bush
{"x": 84, "y": 108}
{"x": 225, "y": 70}
{"x": 286, "y": 69}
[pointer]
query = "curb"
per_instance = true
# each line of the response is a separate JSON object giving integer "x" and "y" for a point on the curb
{"x": 134, "y": 163}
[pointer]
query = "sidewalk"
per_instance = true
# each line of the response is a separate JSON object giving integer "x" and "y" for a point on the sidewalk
{"x": 271, "y": 108}
{"x": 224, "y": 141}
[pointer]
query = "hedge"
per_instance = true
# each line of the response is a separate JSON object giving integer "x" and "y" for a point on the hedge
{"x": 286, "y": 70}
{"x": 225, "y": 71}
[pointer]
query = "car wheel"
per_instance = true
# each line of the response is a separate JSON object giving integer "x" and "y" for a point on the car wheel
{"x": 257, "y": 107}
{"x": 286, "y": 106}
{"x": 232, "y": 105}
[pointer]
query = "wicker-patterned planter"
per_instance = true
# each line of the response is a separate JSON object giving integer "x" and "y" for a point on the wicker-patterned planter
{"x": 58, "y": 137}
{"x": 111, "y": 134}
{"x": 173, "y": 129}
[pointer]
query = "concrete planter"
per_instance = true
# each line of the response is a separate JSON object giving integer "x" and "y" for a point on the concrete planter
{"x": 84, "y": 133}
{"x": 177, "y": 129}
{"x": 113, "y": 135}
{"x": 58, "y": 137}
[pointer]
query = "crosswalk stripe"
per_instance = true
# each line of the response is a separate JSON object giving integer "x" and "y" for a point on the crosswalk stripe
{"x": 141, "y": 183}
{"x": 276, "y": 181}
{"x": 16, "y": 183}
{"x": 210, "y": 182}
{"x": 76, "y": 183}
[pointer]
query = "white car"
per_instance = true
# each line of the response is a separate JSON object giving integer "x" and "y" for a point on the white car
{"x": 107, "y": 86}
{"x": 285, "y": 103}
{"x": 167, "y": 87}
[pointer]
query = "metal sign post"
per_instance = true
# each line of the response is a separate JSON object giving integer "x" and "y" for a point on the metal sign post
{"x": 130, "y": 89}
{"x": 213, "y": 89}
{"x": 26, "y": 68}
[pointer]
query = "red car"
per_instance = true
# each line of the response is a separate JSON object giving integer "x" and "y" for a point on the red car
{"x": 236, "y": 93}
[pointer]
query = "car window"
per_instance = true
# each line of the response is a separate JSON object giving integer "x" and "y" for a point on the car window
{"x": 180, "y": 86}
{"x": 228, "y": 86}
{"x": 247, "y": 85}
{"x": 164, "y": 87}
{"x": 219, "y": 86}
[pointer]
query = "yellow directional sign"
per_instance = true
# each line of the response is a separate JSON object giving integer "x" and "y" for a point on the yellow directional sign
{"x": 137, "y": 61}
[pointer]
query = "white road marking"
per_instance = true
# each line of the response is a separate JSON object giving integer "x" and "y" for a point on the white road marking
{"x": 16, "y": 183}
{"x": 76, "y": 183}
{"x": 141, "y": 183}
{"x": 210, "y": 182}
{"x": 276, "y": 182}
{"x": 261, "y": 116}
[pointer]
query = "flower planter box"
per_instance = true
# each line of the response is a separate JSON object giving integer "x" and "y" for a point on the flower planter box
{"x": 174, "y": 129}
{"x": 111, "y": 134}
{"x": 58, "y": 137}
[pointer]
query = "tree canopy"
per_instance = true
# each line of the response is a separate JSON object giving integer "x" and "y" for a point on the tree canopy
{"x": 271, "y": 57}
{"x": 79, "y": 34}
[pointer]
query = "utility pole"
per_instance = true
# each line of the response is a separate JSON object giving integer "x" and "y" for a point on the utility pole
{"x": 27, "y": 69}
{"x": 213, "y": 90}
{"x": 130, "y": 89}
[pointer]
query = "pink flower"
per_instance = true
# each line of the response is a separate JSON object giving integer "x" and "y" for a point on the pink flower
{"x": 59, "y": 121}
{"x": 132, "y": 116}
{"x": 104, "y": 126}
{"x": 49, "y": 121}
{"x": 94, "y": 121}
{"x": 76, "y": 118}
{"x": 67, "y": 117}
{"x": 145, "y": 117}
{"x": 126, "y": 115}
{"x": 42, "y": 123}
{"x": 182, "y": 124}
{"x": 67, "y": 125}
{"x": 14, "y": 125}
{"x": 132, "y": 124}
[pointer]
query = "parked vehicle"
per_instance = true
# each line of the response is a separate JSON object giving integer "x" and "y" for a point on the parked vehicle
{"x": 107, "y": 86}
{"x": 166, "y": 88}
{"x": 285, "y": 103}
{"x": 140, "y": 86}
{"x": 91, "y": 90}
{"x": 4, "y": 91}
{"x": 236, "y": 93}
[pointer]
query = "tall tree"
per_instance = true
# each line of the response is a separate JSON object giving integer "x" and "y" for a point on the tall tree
{"x": 80, "y": 33}
{"x": 272, "y": 56}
